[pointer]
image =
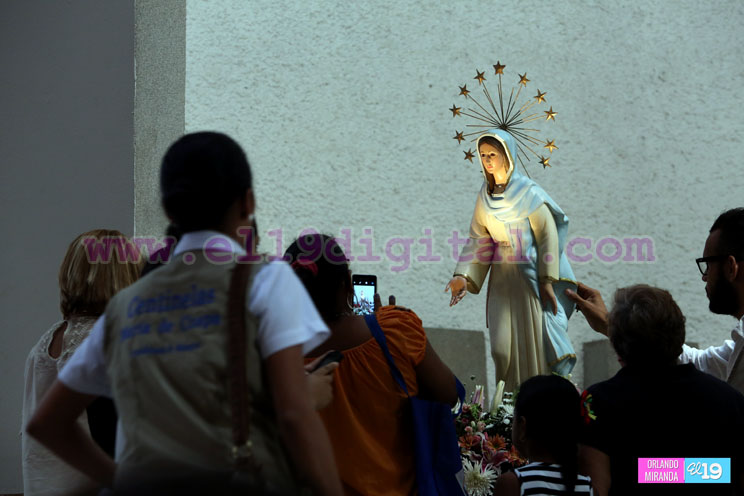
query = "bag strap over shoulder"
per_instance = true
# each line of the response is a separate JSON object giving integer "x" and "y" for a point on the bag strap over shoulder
{"x": 240, "y": 403}
{"x": 379, "y": 336}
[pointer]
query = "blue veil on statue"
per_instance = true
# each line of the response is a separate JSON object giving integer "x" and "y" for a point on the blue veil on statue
{"x": 520, "y": 198}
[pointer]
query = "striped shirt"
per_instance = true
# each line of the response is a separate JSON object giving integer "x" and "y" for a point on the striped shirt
{"x": 537, "y": 479}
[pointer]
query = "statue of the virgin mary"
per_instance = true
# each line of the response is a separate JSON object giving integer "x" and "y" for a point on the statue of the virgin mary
{"x": 518, "y": 233}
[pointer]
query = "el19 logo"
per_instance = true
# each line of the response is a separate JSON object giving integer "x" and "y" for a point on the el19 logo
{"x": 708, "y": 470}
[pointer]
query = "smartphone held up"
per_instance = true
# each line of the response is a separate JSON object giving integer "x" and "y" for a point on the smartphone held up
{"x": 365, "y": 287}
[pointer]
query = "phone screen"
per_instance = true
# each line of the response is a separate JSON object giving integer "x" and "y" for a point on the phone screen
{"x": 365, "y": 287}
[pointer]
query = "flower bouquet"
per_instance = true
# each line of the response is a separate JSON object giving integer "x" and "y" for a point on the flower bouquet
{"x": 485, "y": 440}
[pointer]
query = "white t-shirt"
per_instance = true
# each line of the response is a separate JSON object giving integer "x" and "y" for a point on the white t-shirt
{"x": 286, "y": 315}
{"x": 718, "y": 361}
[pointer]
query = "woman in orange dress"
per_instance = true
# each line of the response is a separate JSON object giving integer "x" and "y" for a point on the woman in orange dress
{"x": 368, "y": 421}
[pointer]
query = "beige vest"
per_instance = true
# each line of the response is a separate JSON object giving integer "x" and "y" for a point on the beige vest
{"x": 165, "y": 344}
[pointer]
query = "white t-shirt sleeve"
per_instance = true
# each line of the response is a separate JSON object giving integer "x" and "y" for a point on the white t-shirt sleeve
{"x": 85, "y": 371}
{"x": 713, "y": 360}
{"x": 286, "y": 314}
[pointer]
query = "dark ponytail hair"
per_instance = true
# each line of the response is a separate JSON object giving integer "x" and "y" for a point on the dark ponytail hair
{"x": 321, "y": 265}
{"x": 201, "y": 176}
{"x": 551, "y": 405}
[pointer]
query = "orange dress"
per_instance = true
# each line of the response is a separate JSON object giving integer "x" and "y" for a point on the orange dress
{"x": 369, "y": 421}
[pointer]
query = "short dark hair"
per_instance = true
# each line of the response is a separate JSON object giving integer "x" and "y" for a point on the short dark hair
{"x": 731, "y": 225}
{"x": 201, "y": 177}
{"x": 646, "y": 326}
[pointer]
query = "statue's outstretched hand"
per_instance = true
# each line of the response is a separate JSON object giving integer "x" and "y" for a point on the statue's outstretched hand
{"x": 457, "y": 286}
{"x": 547, "y": 297}
{"x": 589, "y": 301}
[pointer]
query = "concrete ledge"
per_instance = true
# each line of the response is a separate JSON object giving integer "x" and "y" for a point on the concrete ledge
{"x": 465, "y": 354}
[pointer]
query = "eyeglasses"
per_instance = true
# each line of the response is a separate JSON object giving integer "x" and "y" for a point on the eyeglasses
{"x": 702, "y": 262}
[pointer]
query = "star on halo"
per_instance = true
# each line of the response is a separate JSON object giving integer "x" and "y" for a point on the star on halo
{"x": 458, "y": 136}
{"x": 455, "y": 110}
{"x": 540, "y": 97}
{"x": 550, "y": 115}
{"x": 523, "y": 79}
{"x": 499, "y": 68}
{"x": 545, "y": 162}
{"x": 469, "y": 155}
{"x": 480, "y": 76}
{"x": 550, "y": 145}
{"x": 464, "y": 90}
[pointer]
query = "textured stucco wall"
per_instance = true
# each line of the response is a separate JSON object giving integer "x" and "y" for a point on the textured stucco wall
{"x": 342, "y": 108}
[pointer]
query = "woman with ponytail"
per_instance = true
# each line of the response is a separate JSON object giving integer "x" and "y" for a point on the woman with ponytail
{"x": 547, "y": 422}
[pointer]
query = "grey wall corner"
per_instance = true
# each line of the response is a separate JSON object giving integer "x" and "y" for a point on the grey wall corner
{"x": 159, "y": 101}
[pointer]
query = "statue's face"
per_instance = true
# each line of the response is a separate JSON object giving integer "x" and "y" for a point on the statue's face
{"x": 494, "y": 161}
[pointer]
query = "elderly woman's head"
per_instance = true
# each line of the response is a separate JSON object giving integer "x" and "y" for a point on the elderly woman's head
{"x": 97, "y": 265}
{"x": 646, "y": 327}
{"x": 323, "y": 268}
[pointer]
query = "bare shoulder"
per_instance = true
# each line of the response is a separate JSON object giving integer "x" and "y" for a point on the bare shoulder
{"x": 507, "y": 485}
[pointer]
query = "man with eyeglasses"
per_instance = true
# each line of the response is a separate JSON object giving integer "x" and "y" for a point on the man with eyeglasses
{"x": 722, "y": 268}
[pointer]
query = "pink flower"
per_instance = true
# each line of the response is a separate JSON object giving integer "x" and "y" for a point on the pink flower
{"x": 496, "y": 458}
{"x": 478, "y": 396}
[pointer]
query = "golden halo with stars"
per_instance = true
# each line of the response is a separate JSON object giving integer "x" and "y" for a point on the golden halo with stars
{"x": 507, "y": 114}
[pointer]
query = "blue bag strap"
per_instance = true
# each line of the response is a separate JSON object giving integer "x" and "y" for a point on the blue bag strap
{"x": 379, "y": 336}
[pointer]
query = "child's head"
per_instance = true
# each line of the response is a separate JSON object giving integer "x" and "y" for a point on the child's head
{"x": 547, "y": 419}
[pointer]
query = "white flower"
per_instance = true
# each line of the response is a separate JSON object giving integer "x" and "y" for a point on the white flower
{"x": 508, "y": 409}
{"x": 478, "y": 480}
{"x": 497, "y": 397}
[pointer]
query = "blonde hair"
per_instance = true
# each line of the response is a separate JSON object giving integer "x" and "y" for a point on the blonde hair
{"x": 86, "y": 281}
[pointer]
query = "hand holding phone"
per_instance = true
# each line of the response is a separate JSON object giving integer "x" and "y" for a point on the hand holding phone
{"x": 319, "y": 381}
{"x": 378, "y": 301}
{"x": 330, "y": 357}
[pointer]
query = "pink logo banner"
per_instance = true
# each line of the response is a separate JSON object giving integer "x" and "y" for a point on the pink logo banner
{"x": 661, "y": 470}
